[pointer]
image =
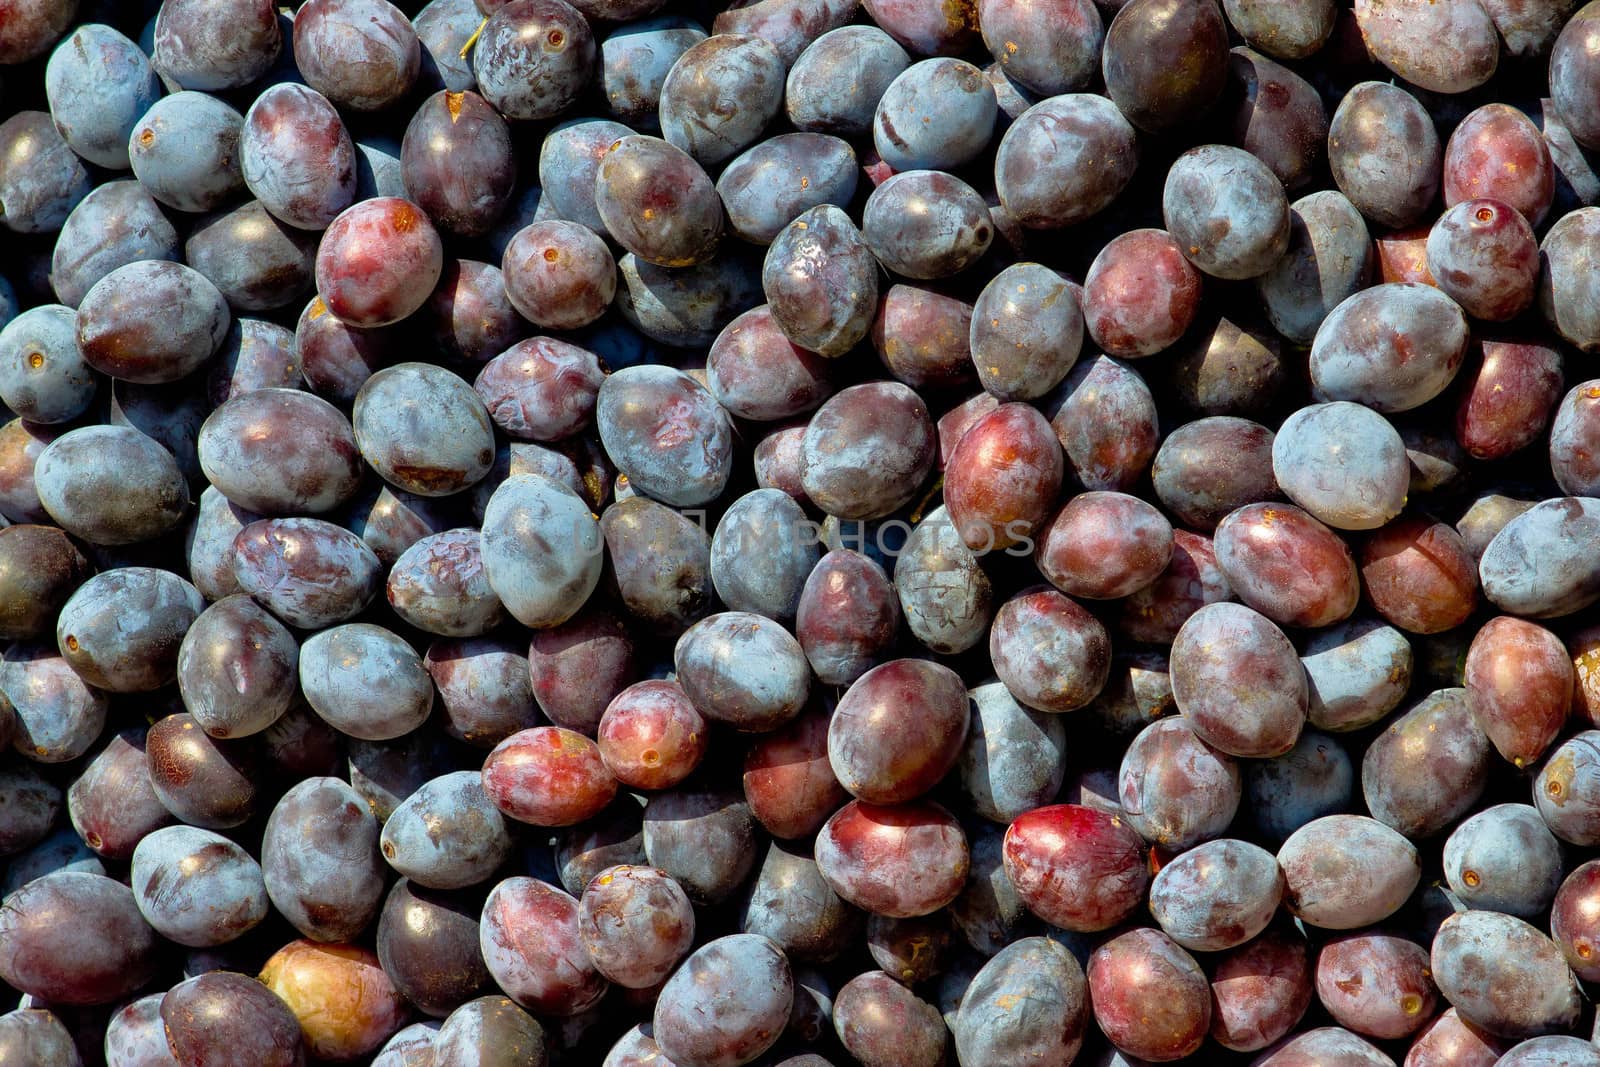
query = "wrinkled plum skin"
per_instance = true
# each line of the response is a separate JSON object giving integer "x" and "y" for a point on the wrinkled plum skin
{"x": 308, "y": 572}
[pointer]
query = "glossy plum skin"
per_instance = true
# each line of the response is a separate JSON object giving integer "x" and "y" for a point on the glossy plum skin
{"x": 214, "y": 1015}
{"x": 1238, "y": 681}
{"x": 1149, "y": 996}
{"x": 1105, "y": 417}
{"x": 378, "y": 261}
{"x": 1165, "y": 62}
{"x": 361, "y": 54}
{"x": 1140, "y": 294}
{"x": 247, "y": 454}
{"x": 847, "y": 616}
{"x": 1420, "y": 576}
{"x": 1282, "y": 562}
{"x": 559, "y": 275}
{"x": 1512, "y": 656}
{"x": 881, "y": 1022}
{"x": 1075, "y": 867}
{"x": 1497, "y": 153}
{"x": 457, "y": 162}
{"x": 868, "y": 855}
{"x": 1104, "y": 545}
{"x": 345, "y": 1003}
{"x": 897, "y": 730}
{"x": 1449, "y": 1039}
{"x": 789, "y": 783}
{"x": 308, "y": 572}
{"x": 1003, "y": 477}
{"x": 75, "y": 938}
{"x": 1342, "y": 872}
{"x": 548, "y": 776}
{"x": 531, "y": 942}
{"x": 1508, "y": 400}
{"x": 117, "y": 337}
{"x": 1428, "y": 767}
{"x": 1027, "y": 332}
{"x": 769, "y": 687}
{"x": 757, "y": 373}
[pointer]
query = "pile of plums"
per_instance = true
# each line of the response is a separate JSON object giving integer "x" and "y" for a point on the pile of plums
{"x": 920, "y": 533}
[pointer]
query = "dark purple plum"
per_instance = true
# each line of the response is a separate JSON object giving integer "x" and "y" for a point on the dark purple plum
{"x": 651, "y": 736}
{"x": 789, "y": 783}
{"x": 73, "y": 938}
{"x": 1329, "y": 259}
{"x": 926, "y": 224}
{"x": 864, "y": 58}
{"x": 308, "y": 572}
{"x": 1165, "y": 61}
{"x": 54, "y": 715}
{"x": 111, "y": 804}
{"x": 257, "y": 262}
{"x": 281, "y": 452}
{"x": 484, "y": 691}
{"x": 471, "y": 313}
{"x": 532, "y": 942}
{"x": 482, "y": 1031}
{"x": 211, "y": 1017}
{"x": 1050, "y": 653}
{"x": 427, "y": 942}
{"x": 747, "y": 984}
{"x": 667, "y": 433}
{"x": 297, "y": 157}
{"x": 1105, "y": 417}
{"x": 118, "y": 337}
{"x": 1064, "y": 160}
{"x": 635, "y": 60}
{"x": 1175, "y": 789}
{"x": 758, "y": 373}
{"x": 32, "y": 26}
{"x": 705, "y": 841}
{"x": 577, "y": 667}
{"x": 661, "y": 563}
{"x": 362, "y": 55}
{"x": 846, "y": 619}
{"x": 533, "y": 58}
{"x": 1287, "y": 565}
{"x": 636, "y": 924}
{"x": 1566, "y": 790}
{"x": 237, "y": 668}
{"x": 1428, "y": 767}
{"x": 320, "y": 860}
{"x": 1225, "y": 210}
{"x": 457, "y": 162}
{"x": 203, "y": 781}
{"x": 337, "y": 359}
{"x": 1370, "y": 119}
{"x": 1313, "y": 779}
{"x": 122, "y": 629}
{"x": 548, "y": 776}
{"x": 743, "y": 669}
{"x": 882, "y": 1023}
{"x": 1238, "y": 681}
{"x": 1026, "y": 334}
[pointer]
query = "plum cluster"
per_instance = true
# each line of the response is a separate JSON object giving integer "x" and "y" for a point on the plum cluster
{"x": 815, "y": 533}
